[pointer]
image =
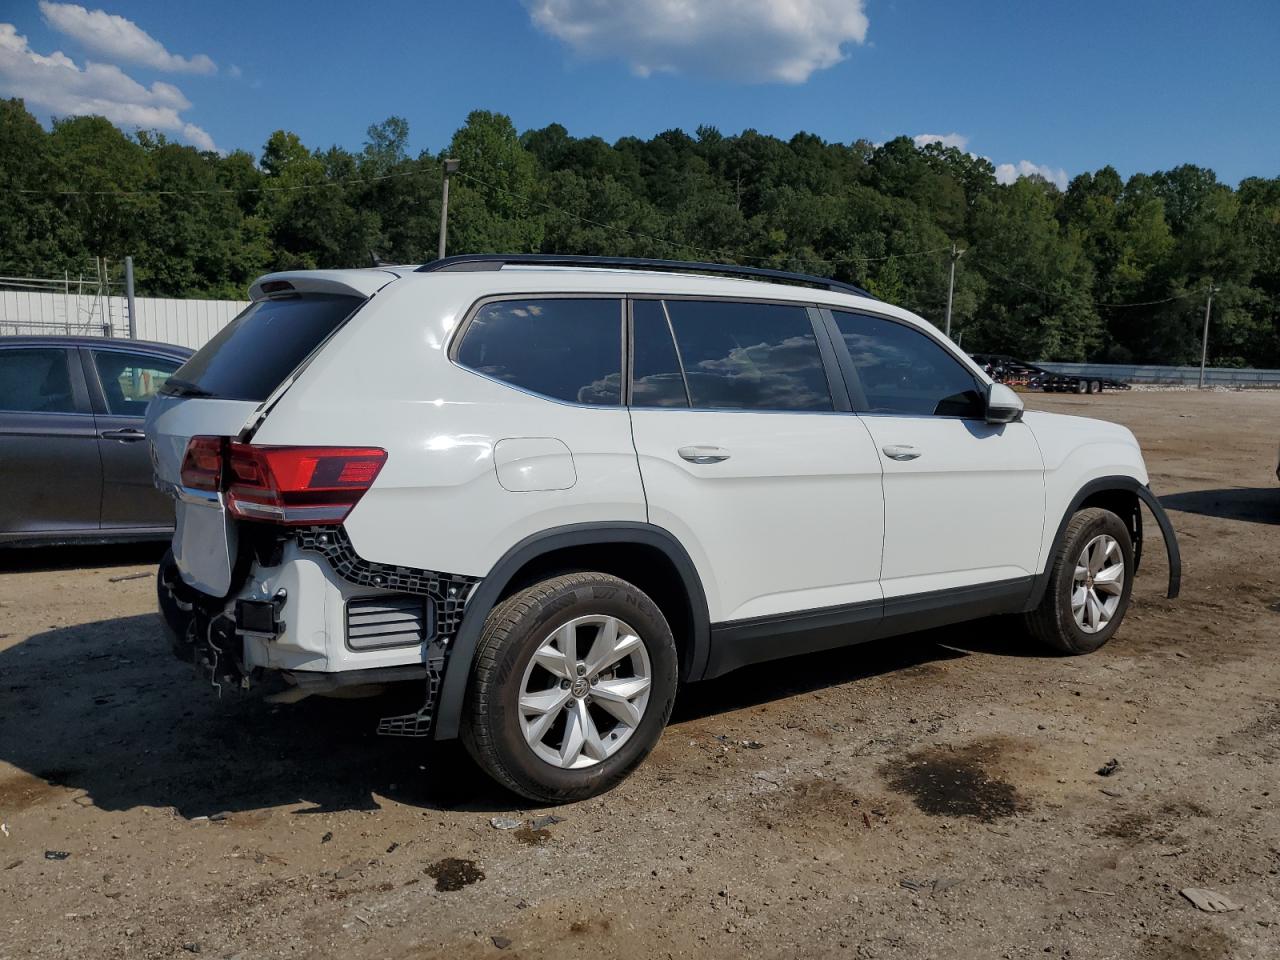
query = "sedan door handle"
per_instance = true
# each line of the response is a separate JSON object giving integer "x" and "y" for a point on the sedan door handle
{"x": 900, "y": 451}
{"x": 128, "y": 434}
{"x": 703, "y": 453}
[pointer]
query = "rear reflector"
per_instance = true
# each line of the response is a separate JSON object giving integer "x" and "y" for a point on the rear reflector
{"x": 299, "y": 485}
{"x": 292, "y": 485}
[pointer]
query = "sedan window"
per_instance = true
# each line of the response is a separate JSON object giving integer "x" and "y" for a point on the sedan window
{"x": 35, "y": 380}
{"x": 130, "y": 380}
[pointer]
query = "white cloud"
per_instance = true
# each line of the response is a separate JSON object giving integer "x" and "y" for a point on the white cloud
{"x": 1009, "y": 172}
{"x": 119, "y": 39}
{"x": 957, "y": 140}
{"x": 757, "y": 41}
{"x": 56, "y": 84}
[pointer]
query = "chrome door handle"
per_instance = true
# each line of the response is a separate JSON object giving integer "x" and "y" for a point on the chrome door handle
{"x": 702, "y": 453}
{"x": 128, "y": 434}
{"x": 900, "y": 451}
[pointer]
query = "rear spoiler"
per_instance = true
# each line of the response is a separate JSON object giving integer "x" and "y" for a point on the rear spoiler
{"x": 360, "y": 283}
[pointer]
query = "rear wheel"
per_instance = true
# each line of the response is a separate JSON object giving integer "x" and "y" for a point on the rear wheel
{"x": 574, "y": 680}
{"x": 1080, "y": 386}
{"x": 1095, "y": 386}
{"x": 1089, "y": 584}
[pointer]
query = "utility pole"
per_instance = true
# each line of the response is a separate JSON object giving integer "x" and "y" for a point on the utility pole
{"x": 951, "y": 287}
{"x": 1204, "y": 344}
{"x": 450, "y": 166}
{"x": 128, "y": 292}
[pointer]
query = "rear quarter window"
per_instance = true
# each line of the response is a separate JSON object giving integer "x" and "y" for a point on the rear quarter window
{"x": 566, "y": 349}
{"x": 257, "y": 351}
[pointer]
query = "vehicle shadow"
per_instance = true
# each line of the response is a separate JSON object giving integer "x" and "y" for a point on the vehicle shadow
{"x": 1251, "y": 504}
{"x": 103, "y": 709}
{"x": 81, "y": 556}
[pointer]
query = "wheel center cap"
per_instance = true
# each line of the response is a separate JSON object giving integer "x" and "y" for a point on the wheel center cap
{"x": 581, "y": 686}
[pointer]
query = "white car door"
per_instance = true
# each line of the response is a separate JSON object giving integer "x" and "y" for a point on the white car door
{"x": 964, "y": 499}
{"x": 746, "y": 459}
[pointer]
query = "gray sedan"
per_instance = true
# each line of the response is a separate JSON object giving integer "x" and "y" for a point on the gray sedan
{"x": 73, "y": 459}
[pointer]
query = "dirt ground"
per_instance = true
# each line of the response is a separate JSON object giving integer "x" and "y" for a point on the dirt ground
{"x": 935, "y": 795}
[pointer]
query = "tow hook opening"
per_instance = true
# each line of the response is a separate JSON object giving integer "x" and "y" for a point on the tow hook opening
{"x": 261, "y": 619}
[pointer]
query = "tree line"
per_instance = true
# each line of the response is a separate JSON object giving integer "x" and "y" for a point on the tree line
{"x": 1108, "y": 270}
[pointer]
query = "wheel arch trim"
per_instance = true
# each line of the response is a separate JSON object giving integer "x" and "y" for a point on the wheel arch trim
{"x": 458, "y": 666}
{"x": 1145, "y": 496}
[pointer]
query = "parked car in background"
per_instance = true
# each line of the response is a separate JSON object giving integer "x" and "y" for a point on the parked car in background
{"x": 1019, "y": 373}
{"x": 548, "y": 490}
{"x": 73, "y": 464}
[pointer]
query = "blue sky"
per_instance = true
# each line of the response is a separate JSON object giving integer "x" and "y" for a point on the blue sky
{"x": 1055, "y": 86}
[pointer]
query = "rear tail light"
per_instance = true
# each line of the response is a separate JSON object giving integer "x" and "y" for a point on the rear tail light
{"x": 291, "y": 485}
{"x": 202, "y": 464}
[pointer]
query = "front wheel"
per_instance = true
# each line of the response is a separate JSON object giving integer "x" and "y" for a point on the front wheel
{"x": 574, "y": 680}
{"x": 1089, "y": 584}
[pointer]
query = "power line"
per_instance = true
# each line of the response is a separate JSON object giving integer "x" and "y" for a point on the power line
{"x": 215, "y": 191}
{"x": 1097, "y": 303}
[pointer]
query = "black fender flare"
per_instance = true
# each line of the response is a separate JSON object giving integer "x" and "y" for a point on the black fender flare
{"x": 453, "y": 688}
{"x": 1145, "y": 496}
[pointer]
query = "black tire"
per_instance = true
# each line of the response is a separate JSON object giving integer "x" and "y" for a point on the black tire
{"x": 512, "y": 633}
{"x": 1095, "y": 386}
{"x": 1081, "y": 386}
{"x": 173, "y": 599}
{"x": 1052, "y": 623}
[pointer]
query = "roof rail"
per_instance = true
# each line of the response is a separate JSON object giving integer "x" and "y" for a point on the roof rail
{"x": 496, "y": 261}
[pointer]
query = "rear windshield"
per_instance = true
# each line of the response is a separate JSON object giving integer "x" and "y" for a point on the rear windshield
{"x": 256, "y": 351}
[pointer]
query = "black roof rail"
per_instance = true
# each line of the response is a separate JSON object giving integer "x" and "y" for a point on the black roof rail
{"x": 496, "y": 261}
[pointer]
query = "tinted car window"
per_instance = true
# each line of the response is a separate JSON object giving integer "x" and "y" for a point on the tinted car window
{"x": 565, "y": 349}
{"x": 656, "y": 380}
{"x": 35, "y": 380}
{"x": 750, "y": 356}
{"x": 256, "y": 351}
{"x": 904, "y": 371}
{"x": 130, "y": 380}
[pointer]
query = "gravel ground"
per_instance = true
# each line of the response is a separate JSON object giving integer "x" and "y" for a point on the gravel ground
{"x": 935, "y": 795}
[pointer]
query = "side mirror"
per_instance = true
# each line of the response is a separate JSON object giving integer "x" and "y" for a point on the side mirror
{"x": 1003, "y": 405}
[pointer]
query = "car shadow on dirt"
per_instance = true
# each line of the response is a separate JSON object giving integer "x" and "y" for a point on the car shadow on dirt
{"x": 1251, "y": 504}
{"x": 81, "y": 556}
{"x": 103, "y": 709}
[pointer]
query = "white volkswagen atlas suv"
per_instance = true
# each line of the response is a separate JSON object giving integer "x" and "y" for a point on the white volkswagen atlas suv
{"x": 548, "y": 491}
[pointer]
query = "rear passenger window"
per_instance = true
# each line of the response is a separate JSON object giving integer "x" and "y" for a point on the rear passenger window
{"x": 35, "y": 380}
{"x": 749, "y": 356}
{"x": 904, "y": 371}
{"x": 656, "y": 380}
{"x": 130, "y": 380}
{"x": 564, "y": 349}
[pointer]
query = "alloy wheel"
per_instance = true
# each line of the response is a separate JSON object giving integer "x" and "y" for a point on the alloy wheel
{"x": 584, "y": 691}
{"x": 1097, "y": 584}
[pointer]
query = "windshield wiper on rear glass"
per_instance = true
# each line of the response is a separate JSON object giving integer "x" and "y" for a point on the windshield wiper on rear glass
{"x": 183, "y": 388}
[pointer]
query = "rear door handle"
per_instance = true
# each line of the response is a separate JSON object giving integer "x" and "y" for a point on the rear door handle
{"x": 128, "y": 434}
{"x": 703, "y": 453}
{"x": 900, "y": 451}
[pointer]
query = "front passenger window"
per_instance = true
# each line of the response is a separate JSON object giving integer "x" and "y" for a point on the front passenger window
{"x": 904, "y": 371}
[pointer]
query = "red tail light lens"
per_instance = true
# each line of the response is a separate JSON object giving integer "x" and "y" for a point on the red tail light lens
{"x": 299, "y": 485}
{"x": 202, "y": 463}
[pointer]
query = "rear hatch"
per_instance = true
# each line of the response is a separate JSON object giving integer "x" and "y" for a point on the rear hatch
{"x": 226, "y": 389}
